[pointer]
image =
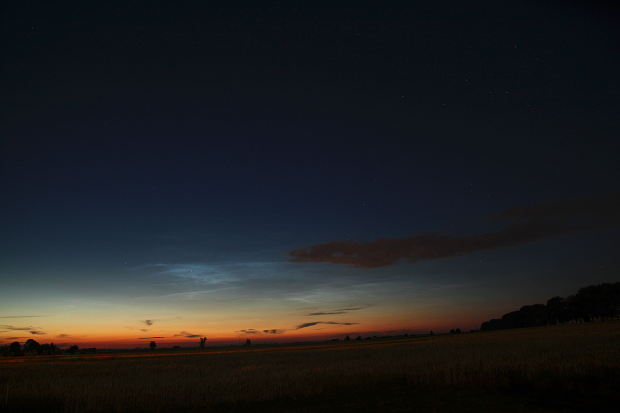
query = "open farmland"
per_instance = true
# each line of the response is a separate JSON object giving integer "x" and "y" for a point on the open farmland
{"x": 580, "y": 360}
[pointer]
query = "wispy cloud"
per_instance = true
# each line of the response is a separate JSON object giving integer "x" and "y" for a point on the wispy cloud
{"x": 148, "y": 338}
{"x": 193, "y": 281}
{"x": 529, "y": 224}
{"x": 249, "y": 331}
{"x": 191, "y": 295}
{"x": 261, "y": 332}
{"x": 30, "y": 329}
{"x": 328, "y": 313}
{"x": 306, "y": 325}
{"x": 336, "y": 311}
{"x": 222, "y": 274}
{"x": 188, "y": 335}
{"x": 70, "y": 336}
{"x": 147, "y": 322}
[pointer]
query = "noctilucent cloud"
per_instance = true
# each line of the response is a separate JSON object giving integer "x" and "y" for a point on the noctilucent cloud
{"x": 302, "y": 172}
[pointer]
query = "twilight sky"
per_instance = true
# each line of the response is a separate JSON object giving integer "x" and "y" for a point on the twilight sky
{"x": 287, "y": 173}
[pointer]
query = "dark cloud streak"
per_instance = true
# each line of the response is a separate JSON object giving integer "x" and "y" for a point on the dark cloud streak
{"x": 274, "y": 331}
{"x": 259, "y": 332}
{"x": 529, "y": 224}
{"x": 328, "y": 313}
{"x": 305, "y": 325}
{"x": 248, "y": 331}
{"x": 187, "y": 335}
{"x": 336, "y": 311}
{"x": 31, "y": 330}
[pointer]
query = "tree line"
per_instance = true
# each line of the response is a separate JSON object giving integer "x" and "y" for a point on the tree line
{"x": 593, "y": 303}
{"x": 32, "y": 348}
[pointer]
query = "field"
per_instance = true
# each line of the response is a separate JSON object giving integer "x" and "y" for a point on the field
{"x": 555, "y": 368}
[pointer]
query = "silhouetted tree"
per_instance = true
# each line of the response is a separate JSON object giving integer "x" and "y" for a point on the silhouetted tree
{"x": 248, "y": 343}
{"x": 73, "y": 349}
{"x": 15, "y": 348}
{"x": 31, "y": 347}
{"x": 533, "y": 315}
{"x": 359, "y": 338}
{"x": 493, "y": 324}
{"x": 556, "y": 310}
{"x": 4, "y": 351}
{"x": 431, "y": 333}
{"x": 202, "y": 342}
{"x": 458, "y": 331}
{"x": 152, "y": 345}
{"x": 347, "y": 338}
{"x": 49, "y": 349}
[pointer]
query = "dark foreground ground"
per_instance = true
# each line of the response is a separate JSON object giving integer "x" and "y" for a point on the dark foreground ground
{"x": 403, "y": 398}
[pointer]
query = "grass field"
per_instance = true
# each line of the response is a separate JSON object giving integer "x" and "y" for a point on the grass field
{"x": 580, "y": 362}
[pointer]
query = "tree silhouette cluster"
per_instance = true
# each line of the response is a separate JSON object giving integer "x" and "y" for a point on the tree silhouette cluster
{"x": 592, "y": 303}
{"x": 31, "y": 348}
{"x": 73, "y": 349}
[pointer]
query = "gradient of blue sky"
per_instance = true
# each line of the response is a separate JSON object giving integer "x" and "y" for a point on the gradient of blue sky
{"x": 164, "y": 175}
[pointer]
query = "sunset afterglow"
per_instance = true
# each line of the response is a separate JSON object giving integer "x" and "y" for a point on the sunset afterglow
{"x": 301, "y": 176}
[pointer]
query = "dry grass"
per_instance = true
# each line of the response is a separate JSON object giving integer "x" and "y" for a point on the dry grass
{"x": 565, "y": 357}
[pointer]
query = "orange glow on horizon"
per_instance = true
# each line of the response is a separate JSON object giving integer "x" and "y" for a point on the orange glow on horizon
{"x": 130, "y": 341}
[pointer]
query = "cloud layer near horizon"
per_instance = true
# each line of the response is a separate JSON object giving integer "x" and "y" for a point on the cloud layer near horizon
{"x": 30, "y": 329}
{"x": 529, "y": 224}
{"x": 306, "y": 325}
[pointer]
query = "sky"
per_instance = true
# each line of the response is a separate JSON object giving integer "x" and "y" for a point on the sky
{"x": 293, "y": 172}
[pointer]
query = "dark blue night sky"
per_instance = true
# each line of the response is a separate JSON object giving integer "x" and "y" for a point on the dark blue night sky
{"x": 163, "y": 163}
